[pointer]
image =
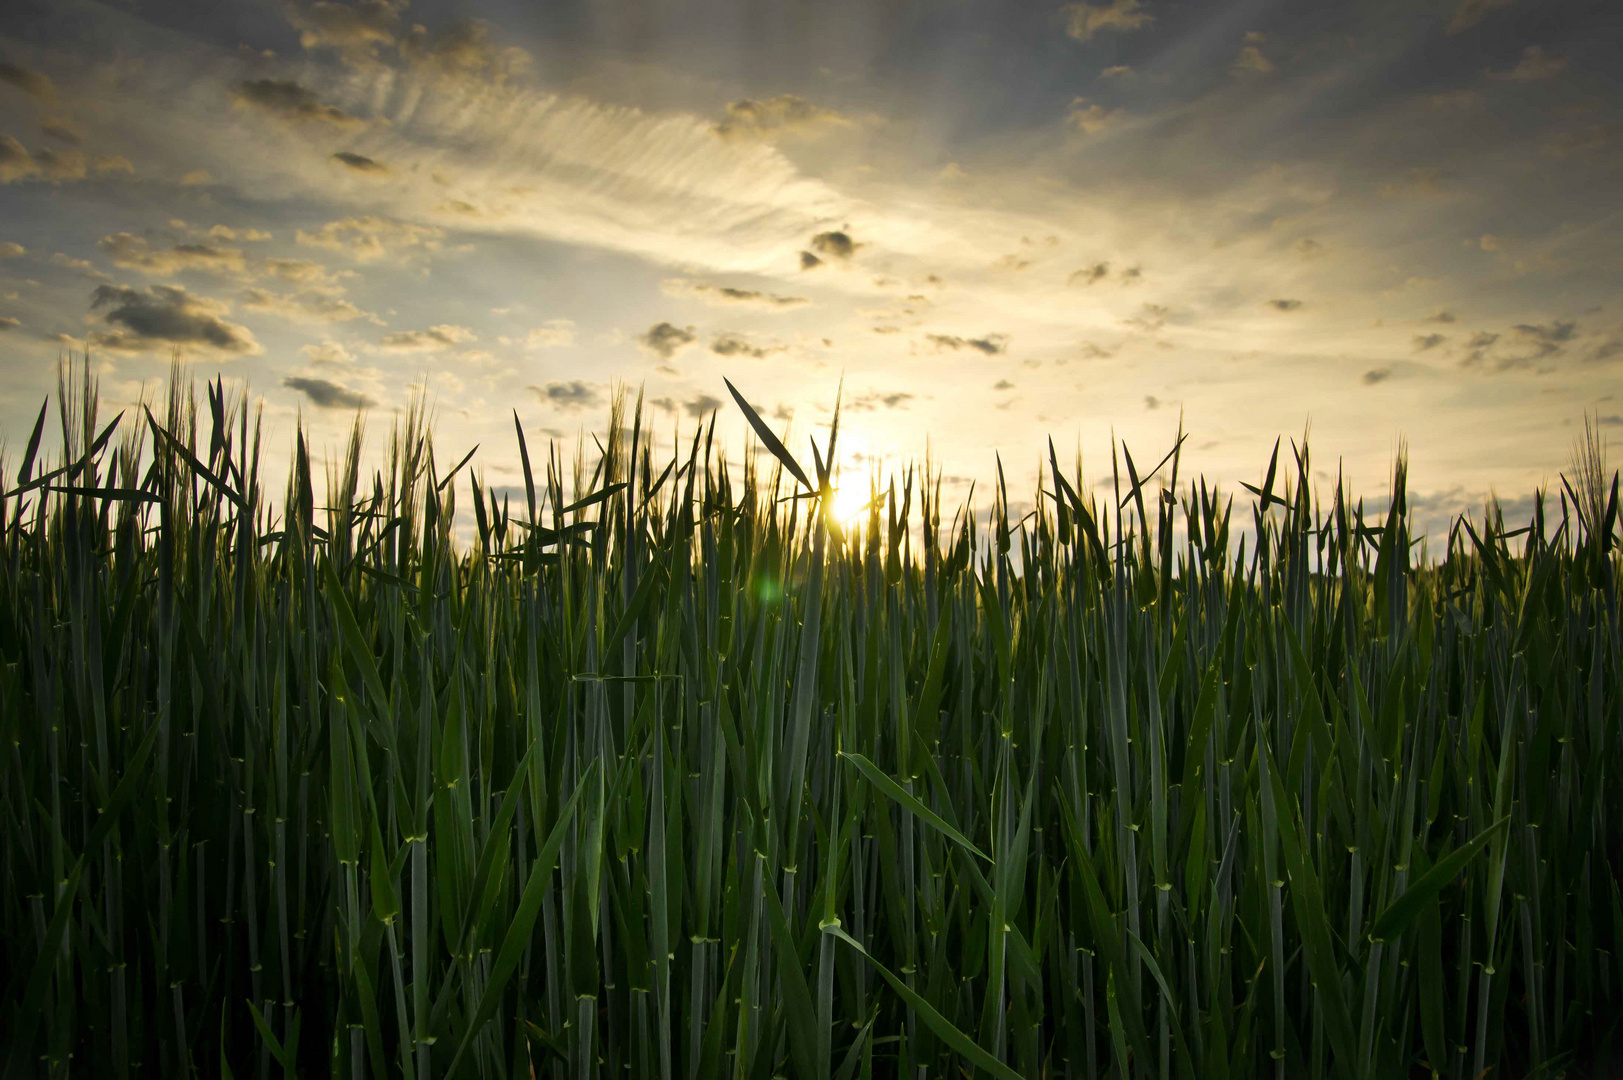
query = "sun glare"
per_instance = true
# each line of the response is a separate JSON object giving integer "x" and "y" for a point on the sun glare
{"x": 851, "y": 498}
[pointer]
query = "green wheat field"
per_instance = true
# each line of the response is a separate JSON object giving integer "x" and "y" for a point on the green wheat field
{"x": 663, "y": 772}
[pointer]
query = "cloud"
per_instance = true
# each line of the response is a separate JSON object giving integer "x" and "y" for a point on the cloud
{"x": 1118, "y": 71}
{"x": 1091, "y": 351}
{"x": 808, "y": 261}
{"x": 83, "y": 267}
{"x": 324, "y": 394}
{"x": 27, "y": 80}
{"x": 1285, "y": 305}
{"x": 16, "y": 163}
{"x": 8, "y": 322}
{"x": 895, "y": 399}
{"x": 372, "y": 237}
{"x": 1441, "y": 317}
{"x": 1375, "y": 375}
{"x": 1523, "y": 346}
{"x": 166, "y": 317}
{"x": 1089, "y": 117}
{"x": 328, "y": 354}
{"x": 666, "y": 340}
{"x": 62, "y": 130}
{"x": 434, "y": 339}
{"x": 12, "y": 250}
{"x": 782, "y": 115}
{"x": 1003, "y": 384}
{"x": 727, "y": 295}
{"x": 287, "y": 100}
{"x": 1088, "y": 275}
{"x": 460, "y": 51}
{"x": 553, "y": 334}
{"x": 1610, "y": 349}
{"x": 1427, "y": 342}
{"x": 1467, "y": 13}
{"x": 354, "y": 28}
{"x": 1251, "y": 63}
{"x": 197, "y": 178}
{"x": 1082, "y": 21}
{"x": 834, "y": 244}
{"x": 311, "y": 305}
{"x": 1308, "y": 248}
{"x": 360, "y": 163}
{"x": 569, "y": 395}
{"x": 1151, "y": 317}
{"x": 303, "y": 272}
{"x": 701, "y": 405}
{"x": 1427, "y": 182}
{"x": 15, "y": 160}
{"x": 1535, "y": 64}
{"x": 991, "y": 344}
{"x": 1545, "y": 338}
{"x": 728, "y": 343}
{"x": 130, "y": 252}
{"x": 1490, "y": 242}
{"x": 1151, "y": 402}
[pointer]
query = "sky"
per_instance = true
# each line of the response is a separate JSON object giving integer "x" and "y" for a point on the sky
{"x": 1379, "y": 224}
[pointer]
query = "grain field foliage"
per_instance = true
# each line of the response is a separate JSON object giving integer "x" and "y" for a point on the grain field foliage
{"x": 661, "y": 772}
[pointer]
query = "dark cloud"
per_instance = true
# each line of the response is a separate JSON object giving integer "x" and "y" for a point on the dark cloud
{"x": 786, "y": 113}
{"x": 461, "y": 50}
{"x": 1534, "y": 66}
{"x": 728, "y": 343}
{"x": 1090, "y": 351}
{"x": 1285, "y": 305}
{"x": 1545, "y": 338}
{"x": 1375, "y": 375}
{"x": 701, "y": 406}
{"x": 569, "y": 395}
{"x": 1610, "y": 349}
{"x": 1151, "y": 402}
{"x": 360, "y": 163}
{"x": 712, "y": 293}
{"x": 354, "y": 28}
{"x": 328, "y": 395}
{"x": 167, "y": 316}
{"x": 1425, "y": 342}
{"x": 55, "y": 127}
{"x": 1003, "y": 384}
{"x": 289, "y": 101}
{"x": 1082, "y": 21}
{"x": 895, "y": 399}
{"x": 15, "y": 160}
{"x": 311, "y": 305}
{"x": 834, "y": 244}
{"x": 1467, "y": 13}
{"x": 1089, "y": 274}
{"x": 8, "y": 322}
{"x": 991, "y": 344}
{"x": 434, "y": 339}
{"x": 1151, "y": 318}
{"x": 666, "y": 340}
{"x": 808, "y": 261}
{"x": 1524, "y": 345}
{"x": 27, "y": 80}
{"x": 130, "y": 252}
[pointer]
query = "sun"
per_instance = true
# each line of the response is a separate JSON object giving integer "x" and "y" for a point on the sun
{"x": 850, "y": 498}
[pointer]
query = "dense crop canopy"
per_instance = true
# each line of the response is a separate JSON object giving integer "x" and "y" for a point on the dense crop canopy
{"x": 663, "y": 774}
